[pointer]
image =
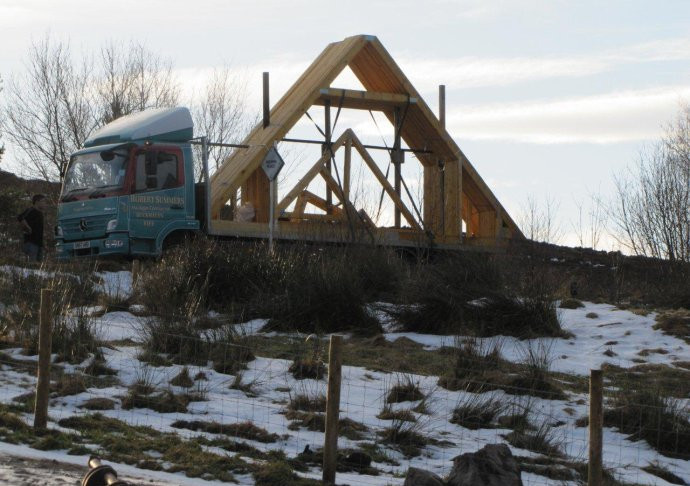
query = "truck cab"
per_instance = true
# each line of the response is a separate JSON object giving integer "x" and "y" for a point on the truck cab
{"x": 130, "y": 188}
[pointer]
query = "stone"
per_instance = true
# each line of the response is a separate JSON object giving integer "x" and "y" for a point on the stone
{"x": 493, "y": 465}
{"x": 420, "y": 477}
{"x": 358, "y": 460}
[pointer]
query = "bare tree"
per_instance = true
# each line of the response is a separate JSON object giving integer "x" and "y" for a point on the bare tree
{"x": 47, "y": 114}
{"x": 221, "y": 114}
{"x": 538, "y": 220}
{"x": 53, "y": 107}
{"x": 590, "y": 224}
{"x": 131, "y": 79}
{"x": 651, "y": 209}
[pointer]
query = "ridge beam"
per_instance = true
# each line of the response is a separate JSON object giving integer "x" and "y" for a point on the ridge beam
{"x": 362, "y": 100}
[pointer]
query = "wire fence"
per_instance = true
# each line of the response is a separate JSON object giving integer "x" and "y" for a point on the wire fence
{"x": 161, "y": 393}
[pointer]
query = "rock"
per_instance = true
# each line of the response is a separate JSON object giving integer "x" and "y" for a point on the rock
{"x": 420, "y": 477}
{"x": 358, "y": 460}
{"x": 493, "y": 465}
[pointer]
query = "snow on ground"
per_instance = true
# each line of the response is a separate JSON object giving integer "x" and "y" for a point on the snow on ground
{"x": 363, "y": 393}
{"x": 624, "y": 333}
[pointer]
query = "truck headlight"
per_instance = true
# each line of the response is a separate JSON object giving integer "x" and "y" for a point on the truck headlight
{"x": 112, "y": 224}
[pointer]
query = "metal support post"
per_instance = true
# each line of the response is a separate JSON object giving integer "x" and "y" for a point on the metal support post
{"x": 327, "y": 149}
{"x": 397, "y": 156}
{"x": 207, "y": 180}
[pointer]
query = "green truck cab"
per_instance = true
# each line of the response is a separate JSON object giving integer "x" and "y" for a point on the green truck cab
{"x": 131, "y": 188}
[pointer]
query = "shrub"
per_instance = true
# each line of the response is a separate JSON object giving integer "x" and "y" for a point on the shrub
{"x": 541, "y": 441}
{"x": 406, "y": 437}
{"x": 464, "y": 293}
{"x": 571, "y": 303}
{"x": 675, "y": 323}
{"x": 324, "y": 294}
{"x": 309, "y": 360}
{"x": 388, "y": 413}
{"x": 405, "y": 390}
{"x": 533, "y": 376}
{"x": 73, "y": 333}
{"x": 243, "y": 430}
{"x": 477, "y": 366}
{"x": 307, "y": 402}
{"x": 279, "y": 473}
{"x": 647, "y": 413}
{"x": 182, "y": 379}
{"x": 477, "y": 412}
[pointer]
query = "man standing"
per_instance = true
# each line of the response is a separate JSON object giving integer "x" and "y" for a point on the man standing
{"x": 32, "y": 225}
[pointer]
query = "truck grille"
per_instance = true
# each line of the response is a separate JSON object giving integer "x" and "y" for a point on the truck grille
{"x": 86, "y": 227}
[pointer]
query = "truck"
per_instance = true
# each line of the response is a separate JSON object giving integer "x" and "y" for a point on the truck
{"x": 131, "y": 188}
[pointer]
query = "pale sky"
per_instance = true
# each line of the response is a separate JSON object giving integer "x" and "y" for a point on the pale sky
{"x": 546, "y": 98}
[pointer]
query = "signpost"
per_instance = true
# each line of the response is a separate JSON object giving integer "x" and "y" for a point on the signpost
{"x": 272, "y": 165}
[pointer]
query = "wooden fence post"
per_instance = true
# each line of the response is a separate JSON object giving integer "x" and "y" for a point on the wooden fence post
{"x": 330, "y": 447}
{"x": 596, "y": 423}
{"x": 44, "y": 351}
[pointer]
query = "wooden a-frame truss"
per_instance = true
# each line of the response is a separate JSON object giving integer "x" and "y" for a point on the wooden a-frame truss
{"x": 453, "y": 191}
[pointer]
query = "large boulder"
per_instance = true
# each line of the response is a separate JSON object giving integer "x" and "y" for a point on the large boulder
{"x": 494, "y": 465}
{"x": 420, "y": 477}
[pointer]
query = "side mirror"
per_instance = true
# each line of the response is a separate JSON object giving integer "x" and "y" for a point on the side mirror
{"x": 151, "y": 157}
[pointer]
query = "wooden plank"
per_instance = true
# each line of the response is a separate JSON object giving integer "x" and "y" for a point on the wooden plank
{"x": 44, "y": 350}
{"x": 330, "y": 446}
{"x": 432, "y": 199}
{"x": 255, "y": 190}
{"x": 300, "y": 205}
{"x": 335, "y": 217}
{"x": 386, "y": 185}
{"x": 453, "y": 199}
{"x": 362, "y": 100}
{"x": 309, "y": 176}
{"x": 487, "y": 224}
{"x": 319, "y": 202}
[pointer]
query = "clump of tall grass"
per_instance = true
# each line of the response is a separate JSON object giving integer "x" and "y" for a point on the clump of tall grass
{"x": 73, "y": 330}
{"x": 465, "y": 293}
{"x": 649, "y": 414}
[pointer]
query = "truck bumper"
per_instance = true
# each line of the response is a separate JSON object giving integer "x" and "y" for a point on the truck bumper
{"x": 114, "y": 244}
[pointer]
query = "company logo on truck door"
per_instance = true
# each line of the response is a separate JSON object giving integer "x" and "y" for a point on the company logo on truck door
{"x": 157, "y": 199}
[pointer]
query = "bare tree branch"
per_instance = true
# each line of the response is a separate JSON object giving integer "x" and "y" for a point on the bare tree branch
{"x": 651, "y": 208}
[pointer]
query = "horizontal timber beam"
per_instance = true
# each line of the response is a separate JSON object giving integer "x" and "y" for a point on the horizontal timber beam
{"x": 363, "y": 100}
{"x": 368, "y": 147}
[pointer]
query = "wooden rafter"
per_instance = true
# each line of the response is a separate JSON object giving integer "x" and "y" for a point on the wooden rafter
{"x": 362, "y": 100}
{"x": 384, "y": 182}
{"x": 386, "y": 88}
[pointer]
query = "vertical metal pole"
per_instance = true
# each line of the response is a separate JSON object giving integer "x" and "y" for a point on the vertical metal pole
{"x": 327, "y": 149}
{"x": 271, "y": 206}
{"x": 267, "y": 107}
{"x": 330, "y": 447}
{"x": 442, "y": 105}
{"x": 596, "y": 423}
{"x": 397, "y": 161}
{"x": 441, "y": 163}
{"x": 207, "y": 180}
{"x": 44, "y": 351}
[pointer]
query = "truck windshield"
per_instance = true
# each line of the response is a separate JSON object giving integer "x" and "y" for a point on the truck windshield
{"x": 95, "y": 170}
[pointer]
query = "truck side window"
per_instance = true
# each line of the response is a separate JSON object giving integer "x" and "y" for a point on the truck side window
{"x": 166, "y": 176}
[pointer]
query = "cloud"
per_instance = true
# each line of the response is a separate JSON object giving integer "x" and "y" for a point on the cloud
{"x": 472, "y": 72}
{"x": 633, "y": 115}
